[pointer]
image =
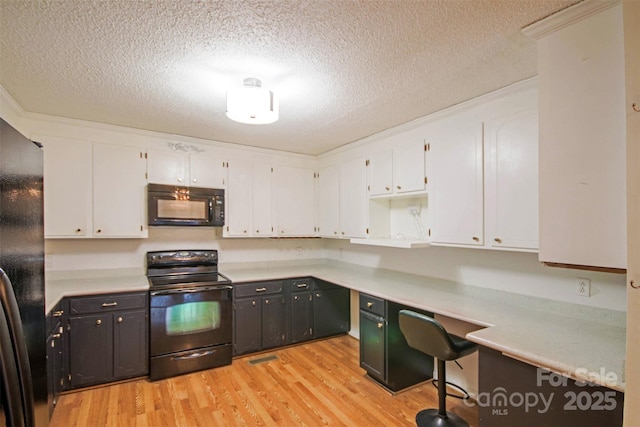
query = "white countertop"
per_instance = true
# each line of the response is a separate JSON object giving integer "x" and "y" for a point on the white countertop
{"x": 580, "y": 342}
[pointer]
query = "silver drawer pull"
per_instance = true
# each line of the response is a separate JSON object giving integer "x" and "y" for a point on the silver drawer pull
{"x": 98, "y": 322}
{"x": 119, "y": 319}
{"x": 195, "y": 355}
{"x": 369, "y": 304}
{"x": 261, "y": 289}
{"x": 302, "y": 285}
{"x": 58, "y": 313}
{"x": 109, "y": 304}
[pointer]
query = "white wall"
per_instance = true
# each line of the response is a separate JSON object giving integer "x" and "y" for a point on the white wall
{"x": 516, "y": 272}
{"x": 81, "y": 254}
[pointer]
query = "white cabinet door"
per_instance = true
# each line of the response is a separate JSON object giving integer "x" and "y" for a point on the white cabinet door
{"x": 456, "y": 182}
{"x": 248, "y": 199}
{"x": 206, "y": 170}
{"x": 239, "y": 202}
{"x": 119, "y": 187}
{"x": 380, "y": 173}
{"x": 511, "y": 197}
{"x": 329, "y": 201}
{"x": 167, "y": 167}
{"x": 409, "y": 166}
{"x": 295, "y": 201}
{"x": 354, "y": 202}
{"x": 67, "y": 187}
{"x": 582, "y": 142}
{"x": 262, "y": 199}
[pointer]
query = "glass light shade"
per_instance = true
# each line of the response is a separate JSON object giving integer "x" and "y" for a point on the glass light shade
{"x": 252, "y": 104}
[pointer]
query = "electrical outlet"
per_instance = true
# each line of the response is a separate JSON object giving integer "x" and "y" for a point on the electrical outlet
{"x": 583, "y": 287}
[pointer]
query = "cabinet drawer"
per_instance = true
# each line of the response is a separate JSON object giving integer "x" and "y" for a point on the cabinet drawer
{"x": 372, "y": 304}
{"x": 96, "y": 304}
{"x": 259, "y": 288}
{"x": 305, "y": 284}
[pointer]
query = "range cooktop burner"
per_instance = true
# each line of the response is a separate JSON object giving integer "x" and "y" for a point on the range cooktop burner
{"x": 186, "y": 268}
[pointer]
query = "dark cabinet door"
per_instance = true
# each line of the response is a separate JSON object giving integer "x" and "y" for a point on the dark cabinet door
{"x": 372, "y": 344}
{"x": 301, "y": 316}
{"x": 273, "y": 321}
{"x": 248, "y": 325}
{"x": 91, "y": 349}
{"x": 130, "y": 344}
{"x": 331, "y": 311}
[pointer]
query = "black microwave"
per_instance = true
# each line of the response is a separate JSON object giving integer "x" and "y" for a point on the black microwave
{"x": 180, "y": 206}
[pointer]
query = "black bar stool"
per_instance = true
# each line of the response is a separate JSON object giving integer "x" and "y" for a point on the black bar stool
{"x": 425, "y": 334}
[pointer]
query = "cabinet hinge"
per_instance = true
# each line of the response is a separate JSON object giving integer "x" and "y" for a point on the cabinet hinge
{"x": 367, "y": 231}
{"x": 366, "y": 163}
{"x": 425, "y": 180}
{"x": 429, "y": 232}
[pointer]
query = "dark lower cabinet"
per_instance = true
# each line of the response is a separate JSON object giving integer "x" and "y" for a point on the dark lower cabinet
{"x": 108, "y": 338}
{"x": 384, "y": 353}
{"x": 301, "y": 306}
{"x": 259, "y": 316}
{"x": 276, "y": 313}
{"x": 331, "y": 309}
{"x": 55, "y": 355}
{"x": 514, "y": 393}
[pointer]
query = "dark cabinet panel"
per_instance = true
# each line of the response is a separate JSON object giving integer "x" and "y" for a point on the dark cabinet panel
{"x": 301, "y": 316}
{"x": 109, "y": 345}
{"x": 248, "y": 325}
{"x": 130, "y": 348}
{"x": 372, "y": 345}
{"x": 55, "y": 355}
{"x": 273, "y": 321}
{"x": 384, "y": 353}
{"x": 91, "y": 349}
{"x": 512, "y": 393}
{"x": 331, "y": 311}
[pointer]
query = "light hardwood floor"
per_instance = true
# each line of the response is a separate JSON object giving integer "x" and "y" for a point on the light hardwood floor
{"x": 313, "y": 384}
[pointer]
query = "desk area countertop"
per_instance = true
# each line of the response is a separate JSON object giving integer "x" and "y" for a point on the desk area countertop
{"x": 583, "y": 343}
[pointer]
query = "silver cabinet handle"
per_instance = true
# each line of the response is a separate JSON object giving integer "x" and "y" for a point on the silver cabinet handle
{"x": 195, "y": 355}
{"x": 119, "y": 319}
{"x": 109, "y": 304}
{"x": 302, "y": 285}
{"x": 261, "y": 289}
{"x": 98, "y": 322}
{"x": 369, "y": 304}
{"x": 380, "y": 325}
{"x": 58, "y": 313}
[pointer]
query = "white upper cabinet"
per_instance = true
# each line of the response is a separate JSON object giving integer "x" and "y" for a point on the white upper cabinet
{"x": 101, "y": 196}
{"x": 354, "y": 203}
{"x": 511, "y": 180}
{"x": 249, "y": 199}
{"x": 380, "y": 173}
{"x": 119, "y": 191}
{"x": 167, "y": 167}
{"x": 409, "y": 166}
{"x": 295, "y": 201}
{"x": 68, "y": 187}
{"x": 456, "y": 182}
{"x": 399, "y": 170}
{"x": 329, "y": 201}
{"x": 207, "y": 170}
{"x": 343, "y": 205}
{"x": 582, "y": 136}
{"x": 196, "y": 169}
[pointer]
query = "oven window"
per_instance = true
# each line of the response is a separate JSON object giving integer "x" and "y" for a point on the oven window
{"x": 192, "y": 317}
{"x": 182, "y": 209}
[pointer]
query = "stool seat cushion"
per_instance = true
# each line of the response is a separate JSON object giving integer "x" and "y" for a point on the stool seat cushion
{"x": 427, "y": 335}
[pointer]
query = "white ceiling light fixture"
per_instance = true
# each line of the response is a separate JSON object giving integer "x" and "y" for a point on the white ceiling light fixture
{"x": 252, "y": 104}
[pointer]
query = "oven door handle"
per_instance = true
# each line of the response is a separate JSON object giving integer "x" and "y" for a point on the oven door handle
{"x": 191, "y": 290}
{"x": 195, "y": 355}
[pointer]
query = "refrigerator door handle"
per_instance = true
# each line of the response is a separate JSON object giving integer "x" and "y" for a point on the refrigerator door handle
{"x": 15, "y": 348}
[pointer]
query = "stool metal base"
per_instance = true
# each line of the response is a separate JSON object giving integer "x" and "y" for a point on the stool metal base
{"x": 432, "y": 418}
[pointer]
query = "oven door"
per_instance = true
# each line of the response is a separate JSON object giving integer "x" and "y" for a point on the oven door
{"x": 190, "y": 318}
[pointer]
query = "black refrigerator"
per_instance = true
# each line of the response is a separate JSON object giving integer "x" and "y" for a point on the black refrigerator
{"x": 23, "y": 369}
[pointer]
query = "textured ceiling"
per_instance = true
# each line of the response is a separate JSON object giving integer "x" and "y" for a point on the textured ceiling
{"x": 343, "y": 69}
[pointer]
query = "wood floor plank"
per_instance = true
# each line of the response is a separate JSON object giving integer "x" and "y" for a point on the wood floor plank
{"x": 314, "y": 384}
